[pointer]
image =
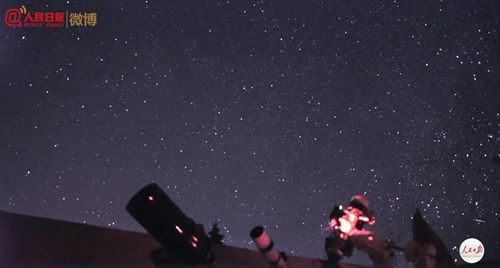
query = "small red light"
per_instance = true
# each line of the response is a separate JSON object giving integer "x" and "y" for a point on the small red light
{"x": 363, "y": 218}
{"x": 151, "y": 198}
{"x": 195, "y": 239}
{"x": 179, "y": 229}
{"x": 370, "y": 238}
{"x": 194, "y": 244}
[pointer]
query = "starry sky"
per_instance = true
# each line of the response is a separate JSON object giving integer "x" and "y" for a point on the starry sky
{"x": 258, "y": 112}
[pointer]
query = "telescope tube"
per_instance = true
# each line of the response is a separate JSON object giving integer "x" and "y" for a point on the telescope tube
{"x": 168, "y": 224}
{"x": 265, "y": 245}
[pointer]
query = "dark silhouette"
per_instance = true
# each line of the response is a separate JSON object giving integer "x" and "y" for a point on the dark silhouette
{"x": 215, "y": 236}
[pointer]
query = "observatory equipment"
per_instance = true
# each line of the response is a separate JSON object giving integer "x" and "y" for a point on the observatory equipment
{"x": 265, "y": 245}
{"x": 182, "y": 239}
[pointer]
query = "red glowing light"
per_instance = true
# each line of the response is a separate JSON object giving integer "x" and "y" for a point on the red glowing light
{"x": 370, "y": 238}
{"x": 179, "y": 229}
{"x": 151, "y": 198}
{"x": 195, "y": 238}
{"x": 363, "y": 218}
{"x": 345, "y": 225}
{"x": 194, "y": 244}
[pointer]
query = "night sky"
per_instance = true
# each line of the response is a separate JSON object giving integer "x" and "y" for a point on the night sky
{"x": 258, "y": 112}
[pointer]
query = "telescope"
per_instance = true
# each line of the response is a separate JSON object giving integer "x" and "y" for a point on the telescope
{"x": 265, "y": 245}
{"x": 182, "y": 239}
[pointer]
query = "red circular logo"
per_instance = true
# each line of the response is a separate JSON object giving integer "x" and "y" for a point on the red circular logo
{"x": 13, "y": 17}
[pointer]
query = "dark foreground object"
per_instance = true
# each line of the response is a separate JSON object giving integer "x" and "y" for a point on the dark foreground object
{"x": 27, "y": 241}
{"x": 181, "y": 238}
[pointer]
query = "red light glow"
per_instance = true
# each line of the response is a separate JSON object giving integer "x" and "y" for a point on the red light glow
{"x": 363, "y": 218}
{"x": 370, "y": 238}
{"x": 345, "y": 226}
{"x": 194, "y": 244}
{"x": 151, "y": 198}
{"x": 179, "y": 229}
